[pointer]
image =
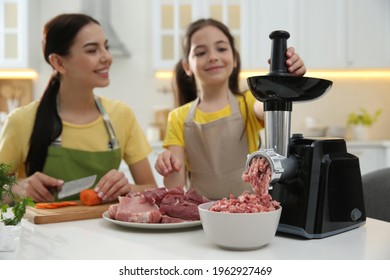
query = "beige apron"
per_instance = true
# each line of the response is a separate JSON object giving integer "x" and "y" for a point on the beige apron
{"x": 217, "y": 153}
{"x": 70, "y": 164}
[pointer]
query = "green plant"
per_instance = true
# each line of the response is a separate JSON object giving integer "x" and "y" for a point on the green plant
{"x": 20, "y": 203}
{"x": 362, "y": 117}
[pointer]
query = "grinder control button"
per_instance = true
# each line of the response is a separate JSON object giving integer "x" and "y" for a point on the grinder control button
{"x": 356, "y": 214}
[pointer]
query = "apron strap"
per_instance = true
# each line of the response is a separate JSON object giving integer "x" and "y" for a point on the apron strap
{"x": 113, "y": 142}
{"x": 191, "y": 113}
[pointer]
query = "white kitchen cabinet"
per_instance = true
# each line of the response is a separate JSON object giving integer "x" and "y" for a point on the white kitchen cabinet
{"x": 171, "y": 18}
{"x": 322, "y": 33}
{"x": 250, "y": 22}
{"x": 344, "y": 33}
{"x": 265, "y": 17}
{"x": 369, "y": 33}
{"x": 13, "y": 34}
{"x": 373, "y": 155}
{"x": 340, "y": 34}
{"x": 326, "y": 33}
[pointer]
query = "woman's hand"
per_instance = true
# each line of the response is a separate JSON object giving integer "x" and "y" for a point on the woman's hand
{"x": 112, "y": 185}
{"x": 38, "y": 186}
{"x": 294, "y": 63}
{"x": 167, "y": 163}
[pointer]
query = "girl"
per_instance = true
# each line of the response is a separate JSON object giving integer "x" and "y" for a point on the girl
{"x": 72, "y": 133}
{"x": 210, "y": 135}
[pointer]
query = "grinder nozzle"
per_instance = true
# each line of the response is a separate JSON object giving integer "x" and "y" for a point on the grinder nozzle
{"x": 281, "y": 166}
{"x": 250, "y": 157}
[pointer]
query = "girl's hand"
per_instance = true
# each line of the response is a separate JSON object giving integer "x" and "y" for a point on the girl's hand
{"x": 167, "y": 163}
{"x": 294, "y": 63}
{"x": 112, "y": 185}
{"x": 38, "y": 186}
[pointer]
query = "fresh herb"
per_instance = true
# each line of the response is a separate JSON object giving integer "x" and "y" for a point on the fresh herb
{"x": 20, "y": 203}
{"x": 362, "y": 117}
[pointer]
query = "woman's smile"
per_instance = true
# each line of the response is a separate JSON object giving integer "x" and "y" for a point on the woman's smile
{"x": 103, "y": 72}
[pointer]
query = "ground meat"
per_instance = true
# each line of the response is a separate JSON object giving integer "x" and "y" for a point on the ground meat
{"x": 258, "y": 175}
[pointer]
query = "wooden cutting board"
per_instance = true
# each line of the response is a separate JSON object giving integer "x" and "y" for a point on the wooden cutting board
{"x": 64, "y": 214}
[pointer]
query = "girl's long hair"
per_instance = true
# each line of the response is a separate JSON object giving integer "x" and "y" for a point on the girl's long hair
{"x": 58, "y": 37}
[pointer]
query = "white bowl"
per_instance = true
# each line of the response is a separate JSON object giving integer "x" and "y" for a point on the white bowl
{"x": 239, "y": 231}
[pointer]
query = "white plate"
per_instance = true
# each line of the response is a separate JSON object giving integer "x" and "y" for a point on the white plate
{"x": 152, "y": 226}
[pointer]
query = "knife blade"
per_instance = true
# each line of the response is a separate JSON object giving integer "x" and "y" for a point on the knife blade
{"x": 76, "y": 186}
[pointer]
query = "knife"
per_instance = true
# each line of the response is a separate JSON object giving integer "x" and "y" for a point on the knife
{"x": 76, "y": 186}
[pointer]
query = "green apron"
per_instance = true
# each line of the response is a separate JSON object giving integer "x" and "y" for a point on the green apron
{"x": 71, "y": 164}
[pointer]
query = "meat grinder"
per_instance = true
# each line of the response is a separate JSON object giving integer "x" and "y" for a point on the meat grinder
{"x": 316, "y": 180}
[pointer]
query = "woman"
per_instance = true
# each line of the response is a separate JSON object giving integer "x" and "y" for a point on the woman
{"x": 216, "y": 126}
{"x": 71, "y": 132}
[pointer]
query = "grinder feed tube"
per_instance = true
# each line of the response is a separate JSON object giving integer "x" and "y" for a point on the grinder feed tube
{"x": 277, "y": 91}
{"x": 278, "y": 53}
{"x": 277, "y": 112}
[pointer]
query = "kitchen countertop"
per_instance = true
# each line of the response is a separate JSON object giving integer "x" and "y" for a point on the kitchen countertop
{"x": 99, "y": 239}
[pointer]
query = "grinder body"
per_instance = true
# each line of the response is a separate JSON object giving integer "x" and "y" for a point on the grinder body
{"x": 325, "y": 196}
{"x": 317, "y": 182}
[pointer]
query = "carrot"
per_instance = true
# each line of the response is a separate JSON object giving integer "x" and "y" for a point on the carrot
{"x": 54, "y": 205}
{"x": 89, "y": 197}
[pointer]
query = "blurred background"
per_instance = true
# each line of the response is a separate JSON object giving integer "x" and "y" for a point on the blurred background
{"x": 346, "y": 41}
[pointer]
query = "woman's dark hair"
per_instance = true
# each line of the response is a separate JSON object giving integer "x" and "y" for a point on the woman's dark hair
{"x": 58, "y": 37}
{"x": 184, "y": 87}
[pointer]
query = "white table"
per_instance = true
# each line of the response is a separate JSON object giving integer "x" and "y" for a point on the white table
{"x": 99, "y": 239}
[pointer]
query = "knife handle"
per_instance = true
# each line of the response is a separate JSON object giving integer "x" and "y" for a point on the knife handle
{"x": 54, "y": 191}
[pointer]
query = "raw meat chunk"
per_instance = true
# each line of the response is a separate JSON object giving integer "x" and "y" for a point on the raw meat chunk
{"x": 137, "y": 209}
{"x": 158, "y": 206}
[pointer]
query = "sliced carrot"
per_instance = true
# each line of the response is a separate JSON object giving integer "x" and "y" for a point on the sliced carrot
{"x": 70, "y": 203}
{"x": 54, "y": 205}
{"x": 89, "y": 197}
{"x": 41, "y": 205}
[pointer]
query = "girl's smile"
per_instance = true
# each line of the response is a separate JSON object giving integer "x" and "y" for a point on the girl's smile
{"x": 211, "y": 57}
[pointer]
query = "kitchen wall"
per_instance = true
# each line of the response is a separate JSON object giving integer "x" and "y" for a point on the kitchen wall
{"x": 133, "y": 81}
{"x": 345, "y": 96}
